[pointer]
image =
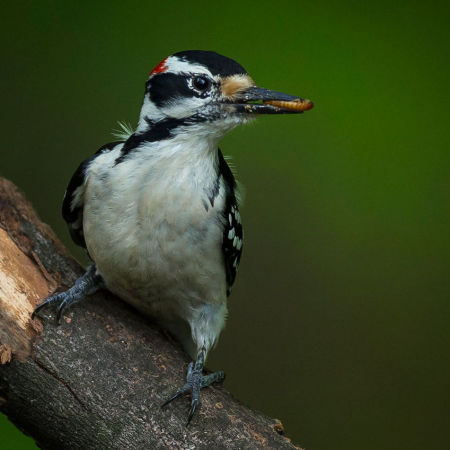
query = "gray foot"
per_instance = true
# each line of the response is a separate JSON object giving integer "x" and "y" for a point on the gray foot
{"x": 87, "y": 284}
{"x": 195, "y": 380}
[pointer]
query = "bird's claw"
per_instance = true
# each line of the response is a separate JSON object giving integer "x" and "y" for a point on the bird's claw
{"x": 87, "y": 284}
{"x": 195, "y": 381}
{"x": 62, "y": 299}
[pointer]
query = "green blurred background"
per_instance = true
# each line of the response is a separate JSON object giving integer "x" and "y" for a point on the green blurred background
{"x": 339, "y": 320}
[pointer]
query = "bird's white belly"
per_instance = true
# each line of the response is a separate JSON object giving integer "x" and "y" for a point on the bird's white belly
{"x": 156, "y": 244}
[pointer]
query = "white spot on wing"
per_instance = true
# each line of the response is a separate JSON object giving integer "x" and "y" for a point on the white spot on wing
{"x": 77, "y": 197}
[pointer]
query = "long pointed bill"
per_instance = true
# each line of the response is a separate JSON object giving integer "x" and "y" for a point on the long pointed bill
{"x": 273, "y": 102}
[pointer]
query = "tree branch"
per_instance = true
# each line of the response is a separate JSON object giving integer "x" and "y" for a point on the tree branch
{"x": 97, "y": 380}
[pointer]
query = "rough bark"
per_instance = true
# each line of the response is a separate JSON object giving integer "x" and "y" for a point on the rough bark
{"x": 97, "y": 380}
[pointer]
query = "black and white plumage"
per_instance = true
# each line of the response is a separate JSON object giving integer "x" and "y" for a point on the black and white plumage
{"x": 159, "y": 211}
{"x": 73, "y": 202}
{"x": 73, "y": 208}
{"x": 232, "y": 232}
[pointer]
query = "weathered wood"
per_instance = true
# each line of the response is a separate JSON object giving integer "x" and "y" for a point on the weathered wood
{"x": 97, "y": 380}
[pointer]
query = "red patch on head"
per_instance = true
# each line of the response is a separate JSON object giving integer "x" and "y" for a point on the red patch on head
{"x": 161, "y": 67}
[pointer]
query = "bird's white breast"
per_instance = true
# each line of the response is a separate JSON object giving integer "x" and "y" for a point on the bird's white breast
{"x": 153, "y": 233}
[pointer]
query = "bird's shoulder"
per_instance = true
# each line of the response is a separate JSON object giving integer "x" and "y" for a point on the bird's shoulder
{"x": 73, "y": 202}
{"x": 232, "y": 241}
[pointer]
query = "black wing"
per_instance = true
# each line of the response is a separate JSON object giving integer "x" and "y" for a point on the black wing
{"x": 73, "y": 203}
{"x": 232, "y": 233}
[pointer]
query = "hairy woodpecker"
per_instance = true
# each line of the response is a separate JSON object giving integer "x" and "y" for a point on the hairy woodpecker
{"x": 158, "y": 212}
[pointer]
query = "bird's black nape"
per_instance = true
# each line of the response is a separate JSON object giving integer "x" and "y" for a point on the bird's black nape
{"x": 216, "y": 64}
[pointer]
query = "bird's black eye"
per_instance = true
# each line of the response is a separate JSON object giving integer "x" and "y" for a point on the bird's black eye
{"x": 201, "y": 83}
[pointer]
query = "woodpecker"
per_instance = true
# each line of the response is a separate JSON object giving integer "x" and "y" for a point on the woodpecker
{"x": 158, "y": 212}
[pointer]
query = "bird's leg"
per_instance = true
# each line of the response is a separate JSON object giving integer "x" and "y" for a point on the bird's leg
{"x": 195, "y": 380}
{"x": 87, "y": 284}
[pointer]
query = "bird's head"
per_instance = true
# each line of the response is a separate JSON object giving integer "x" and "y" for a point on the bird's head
{"x": 208, "y": 92}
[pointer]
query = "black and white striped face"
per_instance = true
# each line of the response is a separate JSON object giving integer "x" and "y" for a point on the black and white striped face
{"x": 203, "y": 87}
{"x": 195, "y": 85}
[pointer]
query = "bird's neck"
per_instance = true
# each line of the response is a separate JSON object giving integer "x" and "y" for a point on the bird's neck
{"x": 189, "y": 157}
